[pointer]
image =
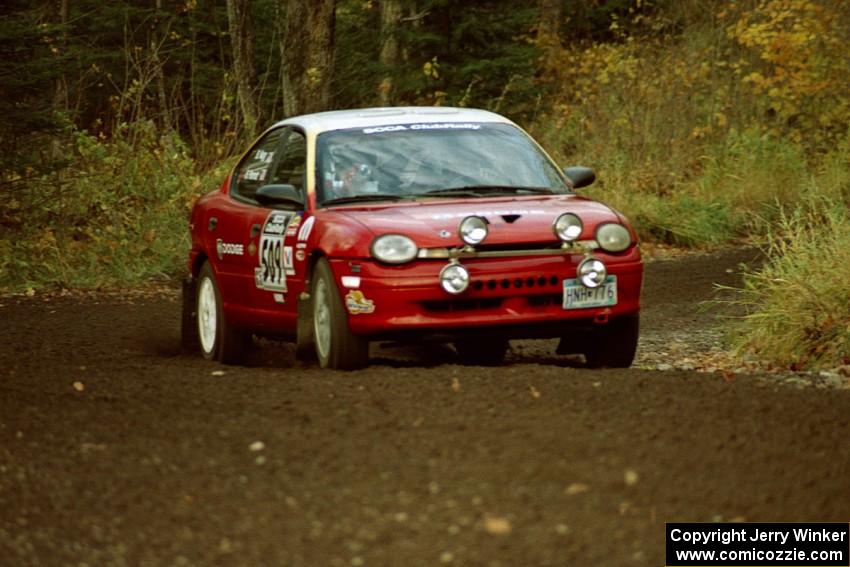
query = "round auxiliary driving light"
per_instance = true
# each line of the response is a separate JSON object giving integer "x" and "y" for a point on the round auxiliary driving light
{"x": 592, "y": 273}
{"x": 473, "y": 230}
{"x": 454, "y": 278}
{"x": 613, "y": 237}
{"x": 567, "y": 227}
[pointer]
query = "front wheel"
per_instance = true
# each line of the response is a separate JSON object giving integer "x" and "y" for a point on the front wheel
{"x": 218, "y": 340}
{"x": 615, "y": 345}
{"x": 336, "y": 346}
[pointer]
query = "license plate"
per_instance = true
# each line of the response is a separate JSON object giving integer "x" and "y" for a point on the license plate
{"x": 576, "y": 296}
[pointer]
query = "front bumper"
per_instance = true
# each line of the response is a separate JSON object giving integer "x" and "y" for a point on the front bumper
{"x": 510, "y": 297}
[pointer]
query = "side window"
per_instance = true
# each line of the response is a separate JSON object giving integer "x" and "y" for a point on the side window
{"x": 293, "y": 161}
{"x": 253, "y": 172}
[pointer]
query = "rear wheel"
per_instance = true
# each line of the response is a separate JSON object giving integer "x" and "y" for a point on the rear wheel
{"x": 336, "y": 346}
{"x": 482, "y": 352}
{"x": 218, "y": 340}
{"x": 615, "y": 345}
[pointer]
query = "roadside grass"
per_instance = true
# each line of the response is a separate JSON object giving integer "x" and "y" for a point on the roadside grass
{"x": 798, "y": 303}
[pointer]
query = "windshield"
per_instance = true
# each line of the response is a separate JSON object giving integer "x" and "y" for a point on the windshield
{"x": 436, "y": 160}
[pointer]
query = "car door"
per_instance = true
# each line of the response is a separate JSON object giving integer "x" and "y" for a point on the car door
{"x": 229, "y": 228}
{"x": 279, "y": 265}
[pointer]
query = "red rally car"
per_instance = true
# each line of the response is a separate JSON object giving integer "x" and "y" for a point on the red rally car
{"x": 407, "y": 224}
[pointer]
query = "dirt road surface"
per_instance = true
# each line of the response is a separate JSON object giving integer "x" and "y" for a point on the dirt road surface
{"x": 116, "y": 449}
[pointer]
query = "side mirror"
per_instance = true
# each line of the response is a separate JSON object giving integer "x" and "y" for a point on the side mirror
{"x": 279, "y": 195}
{"x": 580, "y": 176}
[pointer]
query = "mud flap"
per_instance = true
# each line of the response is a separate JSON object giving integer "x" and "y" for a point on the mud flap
{"x": 188, "y": 322}
{"x": 305, "y": 348}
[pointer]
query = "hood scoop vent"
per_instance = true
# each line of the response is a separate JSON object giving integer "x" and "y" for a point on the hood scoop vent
{"x": 510, "y": 219}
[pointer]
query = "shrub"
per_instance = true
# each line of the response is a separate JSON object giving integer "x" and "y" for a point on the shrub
{"x": 117, "y": 215}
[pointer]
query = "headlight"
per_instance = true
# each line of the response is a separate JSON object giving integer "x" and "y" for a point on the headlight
{"x": 613, "y": 237}
{"x": 592, "y": 273}
{"x": 454, "y": 278}
{"x": 394, "y": 249}
{"x": 567, "y": 227}
{"x": 473, "y": 230}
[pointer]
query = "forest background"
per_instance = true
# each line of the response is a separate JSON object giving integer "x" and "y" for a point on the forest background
{"x": 709, "y": 122}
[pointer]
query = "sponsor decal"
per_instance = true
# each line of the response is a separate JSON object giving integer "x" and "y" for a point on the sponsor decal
{"x": 292, "y": 229}
{"x": 223, "y": 249}
{"x": 445, "y": 233}
{"x": 357, "y": 303}
{"x": 306, "y": 229}
{"x": 279, "y": 298}
{"x": 252, "y": 249}
{"x": 288, "y": 266}
{"x": 300, "y": 255}
{"x": 428, "y": 126}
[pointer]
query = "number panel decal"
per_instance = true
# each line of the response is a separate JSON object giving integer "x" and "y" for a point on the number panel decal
{"x": 275, "y": 259}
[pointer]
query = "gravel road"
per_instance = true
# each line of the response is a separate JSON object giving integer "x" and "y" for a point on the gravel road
{"x": 116, "y": 449}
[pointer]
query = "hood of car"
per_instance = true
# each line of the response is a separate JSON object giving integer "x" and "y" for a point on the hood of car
{"x": 514, "y": 220}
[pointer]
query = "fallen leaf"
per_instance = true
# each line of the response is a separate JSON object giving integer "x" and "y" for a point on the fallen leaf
{"x": 631, "y": 477}
{"x": 79, "y": 386}
{"x": 576, "y": 488}
{"x": 535, "y": 393}
{"x": 217, "y": 372}
{"x": 496, "y": 525}
{"x": 257, "y": 446}
{"x": 455, "y": 384}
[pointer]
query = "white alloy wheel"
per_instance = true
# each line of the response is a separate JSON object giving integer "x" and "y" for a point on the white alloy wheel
{"x": 207, "y": 316}
{"x": 322, "y": 319}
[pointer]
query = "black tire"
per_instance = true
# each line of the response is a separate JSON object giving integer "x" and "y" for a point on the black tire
{"x": 482, "y": 352}
{"x": 305, "y": 345}
{"x": 615, "y": 345}
{"x": 336, "y": 346}
{"x": 189, "y": 318}
{"x": 217, "y": 339}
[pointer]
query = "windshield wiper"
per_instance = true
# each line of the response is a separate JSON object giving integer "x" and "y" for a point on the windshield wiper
{"x": 365, "y": 198}
{"x": 478, "y": 190}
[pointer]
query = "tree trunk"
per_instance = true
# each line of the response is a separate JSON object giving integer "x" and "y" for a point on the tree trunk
{"x": 549, "y": 33}
{"x": 242, "y": 43}
{"x": 159, "y": 75}
{"x": 390, "y": 49}
{"x": 307, "y": 53}
{"x": 60, "y": 87}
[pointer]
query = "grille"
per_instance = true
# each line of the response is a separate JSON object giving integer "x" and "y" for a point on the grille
{"x": 538, "y": 283}
{"x": 516, "y": 283}
{"x": 462, "y": 305}
{"x": 545, "y": 300}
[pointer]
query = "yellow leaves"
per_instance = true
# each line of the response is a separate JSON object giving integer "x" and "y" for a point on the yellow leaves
{"x": 314, "y": 77}
{"x": 758, "y": 81}
{"x": 431, "y": 69}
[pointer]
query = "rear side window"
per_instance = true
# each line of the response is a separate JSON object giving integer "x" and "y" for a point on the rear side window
{"x": 253, "y": 172}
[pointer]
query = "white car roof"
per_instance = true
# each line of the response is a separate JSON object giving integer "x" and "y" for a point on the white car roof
{"x": 314, "y": 124}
